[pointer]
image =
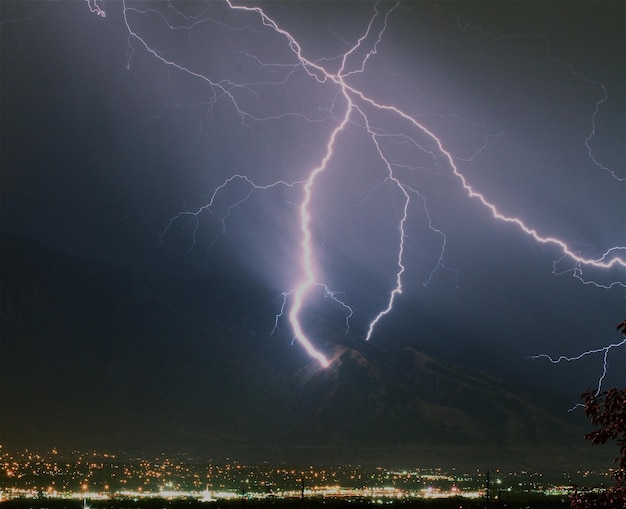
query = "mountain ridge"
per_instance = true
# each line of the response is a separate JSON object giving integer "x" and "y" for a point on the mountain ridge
{"x": 125, "y": 360}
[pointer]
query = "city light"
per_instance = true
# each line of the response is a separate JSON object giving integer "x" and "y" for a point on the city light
{"x": 32, "y": 475}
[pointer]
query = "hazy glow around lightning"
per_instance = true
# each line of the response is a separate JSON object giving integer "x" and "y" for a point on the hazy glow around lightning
{"x": 353, "y": 105}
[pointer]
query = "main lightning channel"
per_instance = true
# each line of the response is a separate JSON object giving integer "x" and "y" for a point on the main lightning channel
{"x": 310, "y": 279}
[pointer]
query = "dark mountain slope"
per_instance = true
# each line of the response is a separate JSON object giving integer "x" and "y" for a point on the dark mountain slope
{"x": 95, "y": 356}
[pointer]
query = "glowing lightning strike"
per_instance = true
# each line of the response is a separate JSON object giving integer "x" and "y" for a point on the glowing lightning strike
{"x": 307, "y": 251}
{"x": 357, "y": 107}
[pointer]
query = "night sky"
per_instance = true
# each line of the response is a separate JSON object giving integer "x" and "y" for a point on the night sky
{"x": 176, "y": 140}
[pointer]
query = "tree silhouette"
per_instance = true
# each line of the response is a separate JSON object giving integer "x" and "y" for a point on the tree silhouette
{"x": 607, "y": 411}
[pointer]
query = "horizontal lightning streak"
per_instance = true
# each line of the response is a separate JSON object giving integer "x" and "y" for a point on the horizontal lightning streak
{"x": 603, "y": 350}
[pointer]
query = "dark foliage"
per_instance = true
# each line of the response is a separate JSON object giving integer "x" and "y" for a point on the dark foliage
{"x": 607, "y": 411}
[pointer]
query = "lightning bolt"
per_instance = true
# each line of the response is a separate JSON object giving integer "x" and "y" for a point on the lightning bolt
{"x": 360, "y": 109}
{"x": 604, "y": 351}
{"x": 309, "y": 277}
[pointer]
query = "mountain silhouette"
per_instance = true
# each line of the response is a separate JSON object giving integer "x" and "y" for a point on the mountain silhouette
{"x": 99, "y": 357}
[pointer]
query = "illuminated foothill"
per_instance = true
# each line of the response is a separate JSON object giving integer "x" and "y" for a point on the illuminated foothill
{"x": 97, "y": 476}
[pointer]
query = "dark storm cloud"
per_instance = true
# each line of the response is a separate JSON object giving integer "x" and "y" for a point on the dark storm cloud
{"x": 102, "y": 144}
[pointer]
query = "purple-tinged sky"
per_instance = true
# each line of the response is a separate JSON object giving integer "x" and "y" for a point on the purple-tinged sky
{"x": 114, "y": 125}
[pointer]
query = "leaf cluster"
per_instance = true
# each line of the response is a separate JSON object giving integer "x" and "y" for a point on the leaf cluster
{"x": 607, "y": 411}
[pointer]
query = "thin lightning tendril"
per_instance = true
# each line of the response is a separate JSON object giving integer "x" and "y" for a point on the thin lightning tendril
{"x": 207, "y": 207}
{"x": 354, "y": 111}
{"x": 605, "y": 362}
